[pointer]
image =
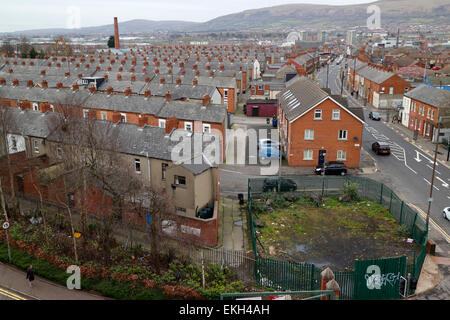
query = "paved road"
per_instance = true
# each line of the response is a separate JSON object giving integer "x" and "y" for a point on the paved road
{"x": 6, "y": 294}
{"x": 408, "y": 170}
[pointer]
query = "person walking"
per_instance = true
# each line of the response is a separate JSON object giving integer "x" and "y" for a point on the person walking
{"x": 30, "y": 275}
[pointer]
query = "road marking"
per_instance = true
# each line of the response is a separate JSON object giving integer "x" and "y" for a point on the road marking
{"x": 432, "y": 168}
{"x": 430, "y": 184}
{"x": 11, "y": 295}
{"x": 444, "y": 184}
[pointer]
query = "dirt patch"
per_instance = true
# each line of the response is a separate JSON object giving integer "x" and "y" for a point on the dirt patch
{"x": 333, "y": 235}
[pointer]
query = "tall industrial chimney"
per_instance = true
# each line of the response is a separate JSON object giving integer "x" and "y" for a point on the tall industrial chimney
{"x": 116, "y": 34}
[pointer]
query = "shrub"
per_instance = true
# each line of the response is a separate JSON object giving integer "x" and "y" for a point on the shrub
{"x": 350, "y": 191}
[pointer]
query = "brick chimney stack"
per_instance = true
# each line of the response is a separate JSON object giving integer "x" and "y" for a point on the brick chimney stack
{"x": 206, "y": 100}
{"x": 116, "y": 34}
{"x": 143, "y": 120}
{"x": 109, "y": 90}
{"x": 147, "y": 93}
{"x": 168, "y": 96}
{"x": 44, "y": 84}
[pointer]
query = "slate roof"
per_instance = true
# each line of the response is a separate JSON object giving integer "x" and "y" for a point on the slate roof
{"x": 430, "y": 95}
{"x": 375, "y": 75}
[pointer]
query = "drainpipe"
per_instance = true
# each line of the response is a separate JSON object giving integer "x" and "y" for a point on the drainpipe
{"x": 148, "y": 161}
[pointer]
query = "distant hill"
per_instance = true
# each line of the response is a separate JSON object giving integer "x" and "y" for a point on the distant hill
{"x": 128, "y": 27}
{"x": 326, "y": 16}
{"x": 284, "y": 16}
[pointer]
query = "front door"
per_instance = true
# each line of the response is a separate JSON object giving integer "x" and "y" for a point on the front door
{"x": 322, "y": 154}
{"x": 255, "y": 111}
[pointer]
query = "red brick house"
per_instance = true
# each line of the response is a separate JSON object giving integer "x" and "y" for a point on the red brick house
{"x": 316, "y": 127}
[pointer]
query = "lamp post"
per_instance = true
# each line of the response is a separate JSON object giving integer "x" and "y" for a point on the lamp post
{"x": 430, "y": 199}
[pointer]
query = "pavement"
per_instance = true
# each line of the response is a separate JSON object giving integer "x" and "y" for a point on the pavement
{"x": 14, "y": 286}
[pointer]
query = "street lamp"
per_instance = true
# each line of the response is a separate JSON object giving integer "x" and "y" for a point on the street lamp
{"x": 430, "y": 199}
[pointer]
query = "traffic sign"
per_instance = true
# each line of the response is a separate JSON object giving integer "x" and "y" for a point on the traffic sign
{"x": 5, "y": 225}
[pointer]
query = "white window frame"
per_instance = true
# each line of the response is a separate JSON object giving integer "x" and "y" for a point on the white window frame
{"x": 162, "y": 123}
{"x": 308, "y": 155}
{"x": 186, "y": 125}
{"x": 341, "y": 155}
{"x": 344, "y": 135}
{"x": 137, "y": 162}
{"x": 336, "y": 112}
{"x": 58, "y": 153}
{"x": 35, "y": 107}
{"x": 315, "y": 117}
{"x": 104, "y": 115}
{"x": 123, "y": 117}
{"x": 164, "y": 171}
{"x": 85, "y": 113}
{"x": 206, "y": 126}
{"x": 309, "y": 134}
{"x": 428, "y": 113}
{"x": 432, "y": 114}
{"x": 225, "y": 93}
{"x": 36, "y": 146}
{"x": 52, "y": 108}
{"x": 391, "y": 90}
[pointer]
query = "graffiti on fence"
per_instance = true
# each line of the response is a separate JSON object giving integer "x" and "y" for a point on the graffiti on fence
{"x": 375, "y": 280}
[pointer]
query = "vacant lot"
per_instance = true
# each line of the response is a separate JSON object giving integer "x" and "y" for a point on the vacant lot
{"x": 333, "y": 234}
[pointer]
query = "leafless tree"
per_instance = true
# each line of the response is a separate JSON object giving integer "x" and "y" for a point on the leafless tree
{"x": 7, "y": 48}
{"x": 7, "y": 124}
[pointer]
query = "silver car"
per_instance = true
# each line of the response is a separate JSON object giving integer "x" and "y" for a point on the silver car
{"x": 446, "y": 212}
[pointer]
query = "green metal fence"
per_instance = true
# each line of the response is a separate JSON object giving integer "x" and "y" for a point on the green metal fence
{"x": 297, "y": 276}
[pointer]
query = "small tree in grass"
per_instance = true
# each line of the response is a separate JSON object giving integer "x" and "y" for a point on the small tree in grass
{"x": 350, "y": 191}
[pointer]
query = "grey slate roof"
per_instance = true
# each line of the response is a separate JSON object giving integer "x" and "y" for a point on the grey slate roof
{"x": 187, "y": 110}
{"x": 375, "y": 75}
{"x": 430, "y": 95}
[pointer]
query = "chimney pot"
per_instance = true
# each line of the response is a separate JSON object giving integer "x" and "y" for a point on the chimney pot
{"x": 75, "y": 87}
{"x": 147, "y": 93}
{"x": 109, "y": 90}
{"x": 15, "y": 82}
{"x": 59, "y": 85}
{"x": 162, "y": 80}
{"x": 30, "y": 83}
{"x": 44, "y": 84}
{"x": 168, "y": 96}
{"x": 92, "y": 88}
{"x": 127, "y": 91}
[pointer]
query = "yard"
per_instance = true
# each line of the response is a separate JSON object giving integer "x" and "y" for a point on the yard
{"x": 329, "y": 232}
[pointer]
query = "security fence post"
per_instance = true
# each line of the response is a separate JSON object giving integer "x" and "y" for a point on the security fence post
{"x": 381, "y": 194}
{"x": 401, "y": 213}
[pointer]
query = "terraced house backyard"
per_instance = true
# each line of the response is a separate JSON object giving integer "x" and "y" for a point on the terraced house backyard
{"x": 328, "y": 232}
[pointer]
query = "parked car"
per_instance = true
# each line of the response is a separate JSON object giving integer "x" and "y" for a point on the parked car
{"x": 285, "y": 185}
{"x": 269, "y": 152}
{"x": 374, "y": 116}
{"x": 267, "y": 143}
{"x": 332, "y": 168}
{"x": 446, "y": 212}
{"x": 381, "y": 147}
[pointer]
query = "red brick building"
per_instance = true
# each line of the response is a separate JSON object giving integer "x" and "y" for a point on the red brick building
{"x": 317, "y": 127}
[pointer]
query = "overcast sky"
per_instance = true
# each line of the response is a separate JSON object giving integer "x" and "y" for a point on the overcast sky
{"x": 32, "y": 14}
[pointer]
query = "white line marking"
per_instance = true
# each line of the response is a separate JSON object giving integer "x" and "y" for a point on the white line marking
{"x": 430, "y": 184}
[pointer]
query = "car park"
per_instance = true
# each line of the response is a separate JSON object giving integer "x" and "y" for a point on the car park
{"x": 381, "y": 147}
{"x": 332, "y": 168}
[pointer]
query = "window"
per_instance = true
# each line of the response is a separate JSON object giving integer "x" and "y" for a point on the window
{"x": 14, "y": 143}
{"x": 318, "y": 114}
{"x": 179, "y": 180}
{"x": 428, "y": 113}
{"x": 432, "y": 114}
{"x": 225, "y": 93}
{"x": 163, "y": 170}
{"x": 85, "y": 113}
{"x": 382, "y": 90}
{"x": 35, "y": 107}
{"x": 188, "y": 126}
{"x": 260, "y": 87}
{"x": 206, "y": 128}
{"x": 104, "y": 116}
{"x": 181, "y": 211}
{"x": 309, "y": 134}
{"x": 58, "y": 153}
{"x": 307, "y": 155}
{"x": 36, "y": 146}
{"x": 123, "y": 117}
{"x": 406, "y": 89}
{"x": 52, "y": 108}
{"x": 428, "y": 129}
{"x": 391, "y": 90}
{"x": 336, "y": 114}
{"x": 342, "y": 155}
{"x": 412, "y": 121}
{"x": 342, "y": 134}
{"x": 162, "y": 123}
{"x": 137, "y": 165}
